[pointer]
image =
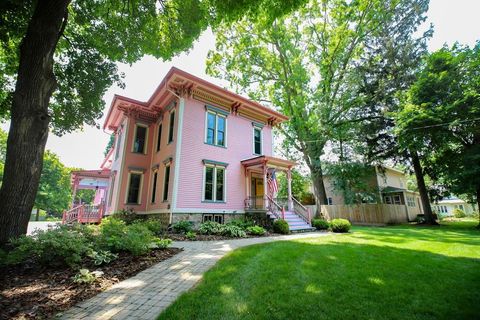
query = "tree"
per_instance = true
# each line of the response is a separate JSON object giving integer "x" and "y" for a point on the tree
{"x": 57, "y": 58}
{"x": 441, "y": 119}
{"x": 54, "y": 192}
{"x": 109, "y": 146}
{"x": 85, "y": 196}
{"x": 306, "y": 65}
{"x": 299, "y": 185}
{"x": 3, "y": 150}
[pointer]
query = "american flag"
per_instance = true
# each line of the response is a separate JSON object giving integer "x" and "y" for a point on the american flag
{"x": 272, "y": 182}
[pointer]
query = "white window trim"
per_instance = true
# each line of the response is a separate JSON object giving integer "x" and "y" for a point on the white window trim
{"x": 215, "y": 130}
{"x": 261, "y": 140}
{"x": 145, "y": 147}
{"x": 163, "y": 183}
{"x": 214, "y": 187}
{"x": 140, "y": 189}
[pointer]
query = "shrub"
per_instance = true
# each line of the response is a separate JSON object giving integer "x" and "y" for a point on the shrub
{"x": 163, "y": 243}
{"x": 182, "y": 226}
{"x": 256, "y": 230}
{"x": 458, "y": 213}
{"x": 102, "y": 257}
{"x": 281, "y": 226}
{"x": 210, "y": 227}
{"x": 127, "y": 216}
{"x": 116, "y": 236}
{"x": 242, "y": 223}
{"x": 190, "y": 235}
{"x": 320, "y": 224}
{"x": 233, "y": 231}
{"x": 154, "y": 225}
{"x": 340, "y": 225}
{"x": 62, "y": 245}
{"x": 85, "y": 276}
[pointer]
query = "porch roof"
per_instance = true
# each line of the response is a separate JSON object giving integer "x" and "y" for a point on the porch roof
{"x": 268, "y": 161}
{"x": 88, "y": 179}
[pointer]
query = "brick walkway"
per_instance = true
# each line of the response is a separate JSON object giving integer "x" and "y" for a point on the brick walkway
{"x": 148, "y": 293}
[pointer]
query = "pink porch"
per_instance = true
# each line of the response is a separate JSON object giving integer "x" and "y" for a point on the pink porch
{"x": 97, "y": 180}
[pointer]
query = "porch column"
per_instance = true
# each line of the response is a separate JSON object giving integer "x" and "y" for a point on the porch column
{"x": 289, "y": 184}
{"x": 265, "y": 186}
{"x": 74, "y": 192}
{"x": 247, "y": 194}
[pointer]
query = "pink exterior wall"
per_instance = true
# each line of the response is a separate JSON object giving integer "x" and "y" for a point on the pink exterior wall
{"x": 239, "y": 146}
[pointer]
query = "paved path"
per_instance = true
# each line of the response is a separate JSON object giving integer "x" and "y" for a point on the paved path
{"x": 43, "y": 225}
{"x": 148, "y": 293}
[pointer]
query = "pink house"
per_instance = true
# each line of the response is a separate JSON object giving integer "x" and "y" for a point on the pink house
{"x": 194, "y": 151}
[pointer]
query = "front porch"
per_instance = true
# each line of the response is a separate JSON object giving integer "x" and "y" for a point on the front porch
{"x": 261, "y": 192}
{"x": 97, "y": 180}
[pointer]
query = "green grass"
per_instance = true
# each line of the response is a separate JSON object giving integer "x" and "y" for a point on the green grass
{"x": 400, "y": 272}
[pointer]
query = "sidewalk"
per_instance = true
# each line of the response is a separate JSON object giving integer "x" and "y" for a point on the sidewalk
{"x": 148, "y": 293}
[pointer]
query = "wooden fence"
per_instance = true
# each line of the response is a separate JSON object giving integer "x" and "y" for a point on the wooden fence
{"x": 367, "y": 213}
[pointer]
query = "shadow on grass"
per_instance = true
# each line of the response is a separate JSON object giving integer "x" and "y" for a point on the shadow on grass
{"x": 333, "y": 280}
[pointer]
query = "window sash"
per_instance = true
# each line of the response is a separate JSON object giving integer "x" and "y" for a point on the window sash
{"x": 134, "y": 186}
{"x": 166, "y": 182}
{"x": 159, "y": 137}
{"x": 257, "y": 141}
{"x": 171, "y": 127}
{"x": 154, "y": 186}
{"x": 139, "y": 142}
{"x": 215, "y": 129}
{"x": 214, "y": 184}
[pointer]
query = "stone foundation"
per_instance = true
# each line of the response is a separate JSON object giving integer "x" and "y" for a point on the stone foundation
{"x": 198, "y": 217}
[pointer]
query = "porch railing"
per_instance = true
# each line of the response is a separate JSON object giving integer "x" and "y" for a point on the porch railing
{"x": 84, "y": 213}
{"x": 277, "y": 210}
{"x": 302, "y": 211}
{"x": 254, "y": 203}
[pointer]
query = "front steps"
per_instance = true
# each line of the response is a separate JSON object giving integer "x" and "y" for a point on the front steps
{"x": 296, "y": 223}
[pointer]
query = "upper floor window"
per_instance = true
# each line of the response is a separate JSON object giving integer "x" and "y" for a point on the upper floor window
{"x": 140, "y": 139}
{"x": 214, "y": 187}
{"x": 257, "y": 140}
{"x": 216, "y": 129}
{"x": 159, "y": 137}
{"x": 171, "y": 126}
{"x": 134, "y": 186}
{"x": 154, "y": 186}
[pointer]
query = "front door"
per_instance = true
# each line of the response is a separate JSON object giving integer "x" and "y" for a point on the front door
{"x": 257, "y": 193}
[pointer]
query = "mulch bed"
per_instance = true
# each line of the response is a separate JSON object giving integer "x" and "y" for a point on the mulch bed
{"x": 33, "y": 292}
{"x": 210, "y": 237}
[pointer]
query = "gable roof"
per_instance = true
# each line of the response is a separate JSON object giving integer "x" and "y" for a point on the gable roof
{"x": 177, "y": 82}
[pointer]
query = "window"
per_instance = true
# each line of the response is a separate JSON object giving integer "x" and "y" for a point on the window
{"x": 133, "y": 196}
{"x": 411, "y": 201}
{"x": 119, "y": 139}
{"x": 159, "y": 137}
{"x": 166, "y": 181}
{"x": 154, "y": 186}
{"x": 213, "y": 217}
{"x": 257, "y": 141}
{"x": 460, "y": 206}
{"x": 139, "y": 142}
{"x": 388, "y": 200}
{"x": 171, "y": 126}
{"x": 214, "y": 187}
{"x": 215, "y": 129}
{"x": 330, "y": 201}
{"x": 397, "y": 200}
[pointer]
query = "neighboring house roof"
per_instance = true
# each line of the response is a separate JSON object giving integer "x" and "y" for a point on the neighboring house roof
{"x": 177, "y": 82}
{"x": 390, "y": 189}
{"x": 452, "y": 200}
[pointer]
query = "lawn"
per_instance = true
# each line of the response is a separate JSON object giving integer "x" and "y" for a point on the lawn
{"x": 399, "y": 272}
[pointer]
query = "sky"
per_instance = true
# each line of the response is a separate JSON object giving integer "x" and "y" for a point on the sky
{"x": 452, "y": 20}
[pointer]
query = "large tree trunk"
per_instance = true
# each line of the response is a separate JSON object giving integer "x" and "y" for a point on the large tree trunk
{"x": 422, "y": 189}
{"x": 317, "y": 181}
{"x": 29, "y": 117}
